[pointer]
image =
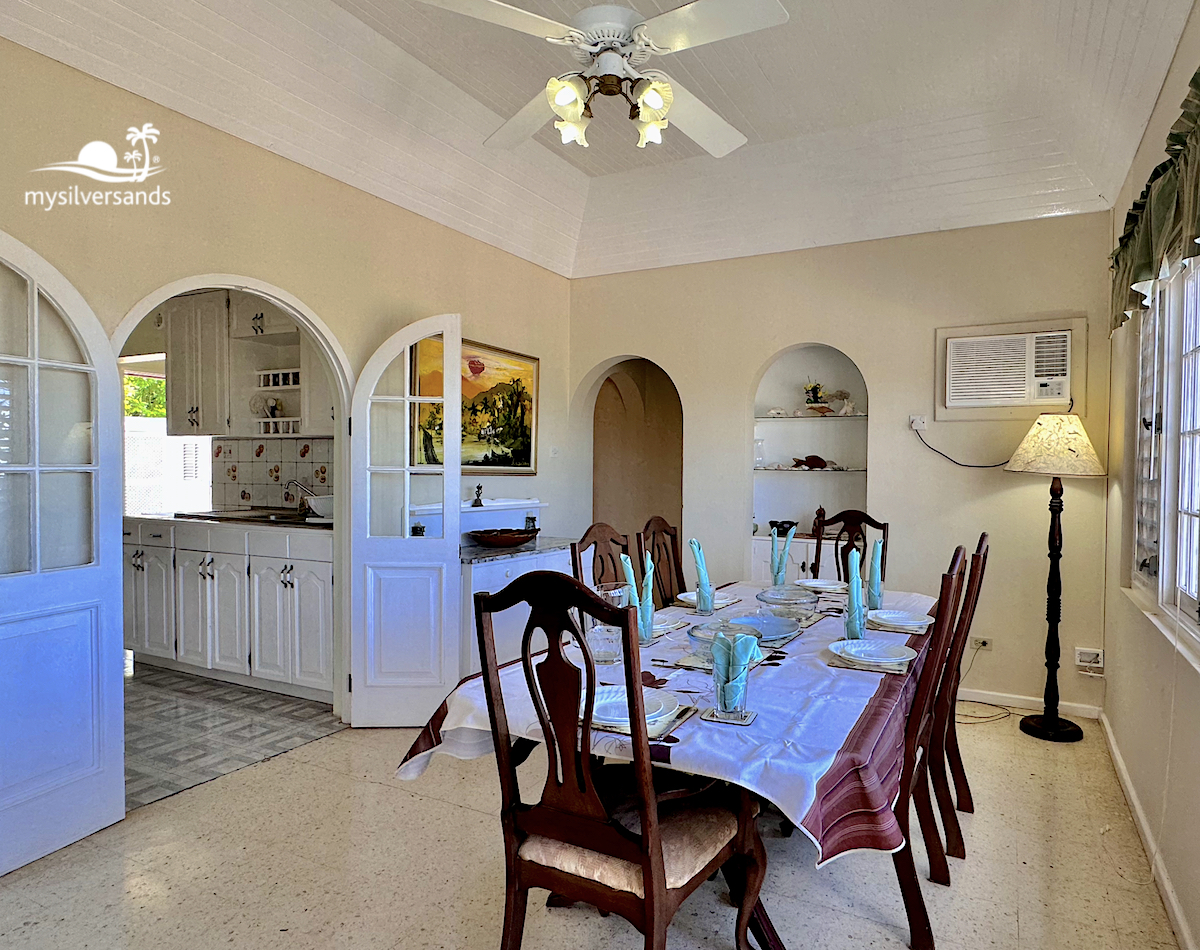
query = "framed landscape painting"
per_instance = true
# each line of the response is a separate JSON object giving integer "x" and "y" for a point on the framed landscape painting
{"x": 499, "y": 406}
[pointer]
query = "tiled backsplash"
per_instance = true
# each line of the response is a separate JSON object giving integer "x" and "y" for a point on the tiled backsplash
{"x": 251, "y": 473}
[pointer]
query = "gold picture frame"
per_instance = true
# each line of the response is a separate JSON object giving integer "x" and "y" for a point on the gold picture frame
{"x": 499, "y": 405}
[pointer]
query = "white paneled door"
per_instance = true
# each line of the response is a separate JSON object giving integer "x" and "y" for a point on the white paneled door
{"x": 61, "y": 716}
{"x": 405, "y": 454}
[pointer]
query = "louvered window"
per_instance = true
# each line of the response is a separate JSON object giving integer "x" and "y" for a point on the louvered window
{"x": 1187, "y": 566}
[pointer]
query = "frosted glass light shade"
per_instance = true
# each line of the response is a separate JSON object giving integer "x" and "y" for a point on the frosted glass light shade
{"x": 573, "y": 131}
{"x": 650, "y": 132}
{"x": 567, "y": 97}
{"x": 654, "y": 98}
{"x": 1056, "y": 444}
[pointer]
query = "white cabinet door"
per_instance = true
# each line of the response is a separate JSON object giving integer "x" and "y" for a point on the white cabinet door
{"x": 129, "y": 590}
{"x": 316, "y": 391}
{"x": 270, "y": 619}
{"x": 182, "y": 344}
{"x": 191, "y": 607}
{"x": 508, "y": 627}
{"x": 156, "y": 602}
{"x": 228, "y": 613}
{"x": 310, "y": 584}
{"x": 211, "y": 363}
{"x": 252, "y": 316}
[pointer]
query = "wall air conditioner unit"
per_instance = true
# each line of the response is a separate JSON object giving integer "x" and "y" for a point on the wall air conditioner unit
{"x": 1014, "y": 369}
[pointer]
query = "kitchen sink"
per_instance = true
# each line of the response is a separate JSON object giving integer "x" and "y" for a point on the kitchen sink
{"x": 269, "y": 515}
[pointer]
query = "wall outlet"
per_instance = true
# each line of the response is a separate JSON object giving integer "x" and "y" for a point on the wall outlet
{"x": 916, "y": 423}
{"x": 1088, "y": 657}
{"x": 981, "y": 643}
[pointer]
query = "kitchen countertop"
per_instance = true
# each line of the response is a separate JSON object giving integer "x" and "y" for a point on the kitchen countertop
{"x": 250, "y": 516}
{"x": 475, "y": 553}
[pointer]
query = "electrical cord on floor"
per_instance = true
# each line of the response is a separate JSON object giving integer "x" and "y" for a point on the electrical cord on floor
{"x": 917, "y": 432}
{"x": 967, "y": 719}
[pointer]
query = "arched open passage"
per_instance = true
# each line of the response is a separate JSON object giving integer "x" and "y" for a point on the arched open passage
{"x": 810, "y": 444}
{"x": 637, "y": 447}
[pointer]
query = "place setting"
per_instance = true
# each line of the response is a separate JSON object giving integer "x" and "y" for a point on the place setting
{"x": 859, "y": 652}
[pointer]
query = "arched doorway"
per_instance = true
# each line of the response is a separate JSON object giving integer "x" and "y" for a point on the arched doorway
{"x": 637, "y": 447}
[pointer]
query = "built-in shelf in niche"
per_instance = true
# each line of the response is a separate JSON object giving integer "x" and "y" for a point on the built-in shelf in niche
{"x": 837, "y": 439}
{"x": 278, "y": 379}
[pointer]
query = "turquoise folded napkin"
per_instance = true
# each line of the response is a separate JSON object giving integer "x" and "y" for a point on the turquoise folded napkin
{"x": 644, "y": 603}
{"x": 855, "y": 618}
{"x": 875, "y": 577}
{"x": 704, "y": 588}
{"x": 731, "y": 667}
{"x": 779, "y": 562}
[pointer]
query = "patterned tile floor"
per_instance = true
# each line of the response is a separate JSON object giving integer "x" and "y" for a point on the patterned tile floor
{"x": 181, "y": 730}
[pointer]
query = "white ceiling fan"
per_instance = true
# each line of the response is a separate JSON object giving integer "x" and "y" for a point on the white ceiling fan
{"x": 612, "y": 43}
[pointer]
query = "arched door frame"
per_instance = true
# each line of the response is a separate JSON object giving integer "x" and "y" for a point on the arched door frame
{"x": 343, "y": 378}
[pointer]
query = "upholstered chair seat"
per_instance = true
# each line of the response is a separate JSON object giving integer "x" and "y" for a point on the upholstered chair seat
{"x": 691, "y": 838}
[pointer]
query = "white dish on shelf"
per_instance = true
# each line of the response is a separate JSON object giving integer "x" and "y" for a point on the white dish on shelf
{"x": 823, "y": 585}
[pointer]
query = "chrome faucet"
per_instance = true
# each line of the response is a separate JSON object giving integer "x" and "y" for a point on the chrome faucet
{"x": 304, "y": 488}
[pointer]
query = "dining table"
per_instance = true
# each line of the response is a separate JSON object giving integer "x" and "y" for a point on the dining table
{"x": 825, "y": 747}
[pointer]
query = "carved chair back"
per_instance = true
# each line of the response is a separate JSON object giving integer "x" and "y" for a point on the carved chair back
{"x": 563, "y": 688}
{"x": 607, "y": 547}
{"x": 662, "y": 541}
{"x": 851, "y": 533}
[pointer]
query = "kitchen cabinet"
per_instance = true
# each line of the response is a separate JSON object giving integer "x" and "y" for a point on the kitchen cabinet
{"x": 197, "y": 354}
{"x": 316, "y": 393}
{"x": 291, "y": 620}
{"x": 253, "y": 316}
{"x": 508, "y": 627}
{"x": 211, "y": 619}
{"x": 148, "y": 582}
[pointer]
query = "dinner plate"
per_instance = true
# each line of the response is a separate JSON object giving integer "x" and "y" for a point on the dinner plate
{"x": 823, "y": 584}
{"x": 872, "y": 651}
{"x": 719, "y": 600}
{"x": 768, "y": 627}
{"x": 612, "y": 705}
{"x": 670, "y": 623}
{"x": 900, "y": 618}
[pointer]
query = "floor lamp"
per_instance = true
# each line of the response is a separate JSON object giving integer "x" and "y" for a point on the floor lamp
{"x": 1057, "y": 445}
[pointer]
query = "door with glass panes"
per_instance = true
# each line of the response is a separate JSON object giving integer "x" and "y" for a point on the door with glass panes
{"x": 61, "y": 715}
{"x": 405, "y": 449}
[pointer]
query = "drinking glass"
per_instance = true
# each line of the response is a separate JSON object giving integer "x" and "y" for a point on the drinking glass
{"x": 605, "y": 643}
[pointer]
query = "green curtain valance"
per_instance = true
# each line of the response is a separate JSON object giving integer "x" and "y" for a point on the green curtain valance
{"x": 1164, "y": 223}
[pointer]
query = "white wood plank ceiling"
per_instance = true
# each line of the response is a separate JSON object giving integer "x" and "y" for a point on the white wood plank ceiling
{"x": 865, "y": 118}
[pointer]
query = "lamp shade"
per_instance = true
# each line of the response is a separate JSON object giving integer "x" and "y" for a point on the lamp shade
{"x": 1056, "y": 444}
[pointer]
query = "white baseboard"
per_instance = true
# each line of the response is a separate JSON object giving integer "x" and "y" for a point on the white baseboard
{"x": 1079, "y": 710}
{"x": 1170, "y": 899}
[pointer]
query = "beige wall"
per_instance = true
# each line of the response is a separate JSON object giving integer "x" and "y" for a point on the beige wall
{"x": 364, "y": 266}
{"x": 637, "y": 448}
{"x": 1152, "y": 704}
{"x": 715, "y": 327}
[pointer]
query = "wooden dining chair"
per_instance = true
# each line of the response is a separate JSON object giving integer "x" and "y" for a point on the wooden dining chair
{"x": 851, "y": 533}
{"x": 944, "y": 743}
{"x": 914, "y": 778}
{"x": 607, "y": 547}
{"x": 662, "y": 541}
{"x": 640, "y": 860}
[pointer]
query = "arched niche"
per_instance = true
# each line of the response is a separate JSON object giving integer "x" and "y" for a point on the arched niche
{"x": 834, "y": 433}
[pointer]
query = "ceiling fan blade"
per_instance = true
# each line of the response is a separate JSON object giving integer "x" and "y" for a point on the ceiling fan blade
{"x": 700, "y": 124}
{"x": 706, "y": 21}
{"x": 521, "y": 126}
{"x": 502, "y": 14}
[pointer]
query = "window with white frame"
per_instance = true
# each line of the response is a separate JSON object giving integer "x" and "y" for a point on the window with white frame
{"x": 1167, "y": 479}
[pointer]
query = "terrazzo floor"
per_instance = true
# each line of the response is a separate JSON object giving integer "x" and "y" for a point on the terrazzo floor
{"x": 182, "y": 730}
{"x": 322, "y": 847}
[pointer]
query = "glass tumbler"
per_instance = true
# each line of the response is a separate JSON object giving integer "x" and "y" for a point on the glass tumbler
{"x": 605, "y": 640}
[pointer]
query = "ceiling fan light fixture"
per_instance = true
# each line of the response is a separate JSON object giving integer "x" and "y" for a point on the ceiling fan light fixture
{"x": 573, "y": 130}
{"x": 650, "y": 131}
{"x": 654, "y": 98}
{"x": 567, "y": 97}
